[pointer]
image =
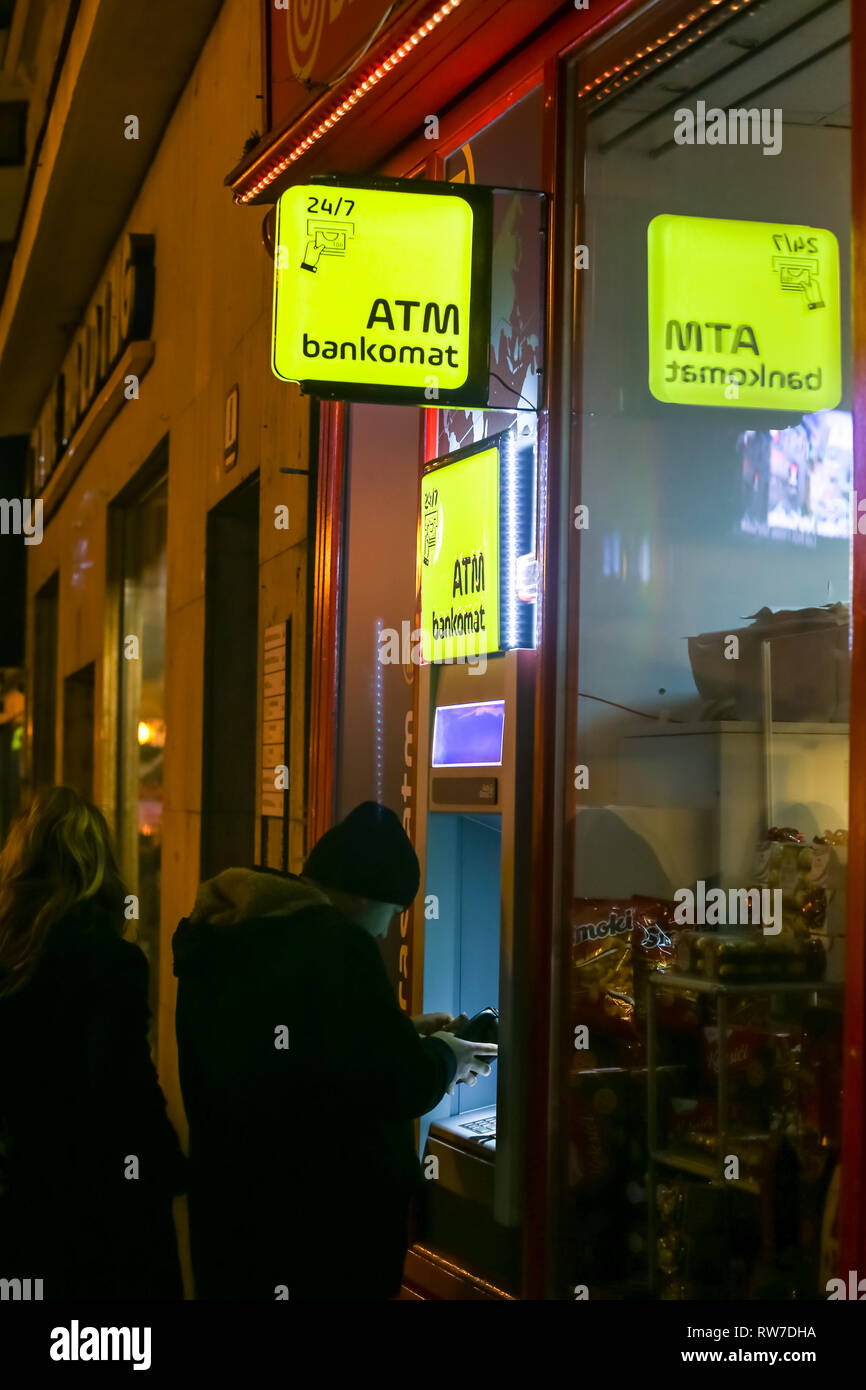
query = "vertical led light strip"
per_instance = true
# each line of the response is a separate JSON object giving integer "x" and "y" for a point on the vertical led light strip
{"x": 533, "y": 532}
{"x": 508, "y": 578}
{"x": 380, "y": 722}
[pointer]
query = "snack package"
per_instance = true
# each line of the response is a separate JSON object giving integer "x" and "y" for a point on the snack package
{"x": 749, "y": 1055}
{"x": 655, "y": 939}
{"x": 615, "y": 942}
{"x": 602, "y": 979}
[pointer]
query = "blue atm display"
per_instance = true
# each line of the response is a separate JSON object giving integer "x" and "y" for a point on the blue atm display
{"x": 469, "y": 735}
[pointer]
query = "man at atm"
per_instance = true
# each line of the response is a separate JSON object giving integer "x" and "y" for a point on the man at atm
{"x": 301, "y": 1075}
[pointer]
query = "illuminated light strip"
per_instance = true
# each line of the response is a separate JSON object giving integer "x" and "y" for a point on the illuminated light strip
{"x": 380, "y": 725}
{"x": 361, "y": 90}
{"x": 649, "y": 48}
{"x": 509, "y": 557}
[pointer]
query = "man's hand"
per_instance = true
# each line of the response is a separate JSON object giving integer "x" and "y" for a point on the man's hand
{"x": 473, "y": 1059}
{"x": 426, "y": 1024}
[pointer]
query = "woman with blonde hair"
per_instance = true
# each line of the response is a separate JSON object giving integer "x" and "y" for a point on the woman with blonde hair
{"x": 89, "y": 1162}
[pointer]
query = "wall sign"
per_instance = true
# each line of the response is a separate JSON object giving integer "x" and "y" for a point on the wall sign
{"x": 230, "y": 429}
{"x": 477, "y": 527}
{"x": 743, "y": 314}
{"x": 382, "y": 291}
{"x": 120, "y": 313}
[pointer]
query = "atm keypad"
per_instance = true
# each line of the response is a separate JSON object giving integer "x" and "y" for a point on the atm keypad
{"x": 485, "y": 1127}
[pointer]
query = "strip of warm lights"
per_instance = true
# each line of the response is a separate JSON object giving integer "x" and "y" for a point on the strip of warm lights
{"x": 370, "y": 81}
{"x": 591, "y": 88}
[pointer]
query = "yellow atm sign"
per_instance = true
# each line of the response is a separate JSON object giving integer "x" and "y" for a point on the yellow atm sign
{"x": 382, "y": 291}
{"x": 743, "y": 314}
{"x": 460, "y": 572}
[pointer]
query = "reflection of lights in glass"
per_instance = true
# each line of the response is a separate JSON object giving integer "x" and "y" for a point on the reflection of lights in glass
{"x": 81, "y": 561}
{"x": 644, "y": 563}
{"x": 611, "y": 554}
{"x": 527, "y": 578}
{"x": 151, "y": 733}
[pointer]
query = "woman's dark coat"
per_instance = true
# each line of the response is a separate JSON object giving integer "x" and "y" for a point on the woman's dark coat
{"x": 79, "y": 1100}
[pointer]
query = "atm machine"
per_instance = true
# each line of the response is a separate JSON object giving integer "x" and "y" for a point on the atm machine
{"x": 474, "y": 748}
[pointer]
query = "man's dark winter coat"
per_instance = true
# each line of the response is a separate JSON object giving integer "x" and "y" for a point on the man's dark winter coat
{"x": 301, "y": 1077}
{"x": 78, "y": 1097}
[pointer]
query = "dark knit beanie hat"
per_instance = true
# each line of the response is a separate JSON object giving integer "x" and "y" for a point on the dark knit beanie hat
{"x": 368, "y": 853}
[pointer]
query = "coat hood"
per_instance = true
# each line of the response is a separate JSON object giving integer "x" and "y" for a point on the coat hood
{"x": 235, "y": 897}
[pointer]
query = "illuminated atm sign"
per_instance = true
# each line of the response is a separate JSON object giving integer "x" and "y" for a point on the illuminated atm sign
{"x": 382, "y": 291}
{"x": 743, "y": 314}
{"x": 477, "y": 551}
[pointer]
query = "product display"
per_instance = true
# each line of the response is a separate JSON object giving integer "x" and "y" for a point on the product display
{"x": 747, "y": 956}
{"x": 759, "y": 1115}
{"x": 747, "y": 1121}
{"x": 810, "y": 876}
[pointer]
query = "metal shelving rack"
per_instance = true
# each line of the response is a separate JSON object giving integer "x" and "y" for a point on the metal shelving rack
{"x": 710, "y": 1169}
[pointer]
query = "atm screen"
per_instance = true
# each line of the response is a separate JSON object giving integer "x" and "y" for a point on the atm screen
{"x": 469, "y": 735}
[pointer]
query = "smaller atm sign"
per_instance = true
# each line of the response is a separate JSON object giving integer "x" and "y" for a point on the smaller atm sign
{"x": 461, "y": 558}
{"x": 743, "y": 314}
{"x": 382, "y": 292}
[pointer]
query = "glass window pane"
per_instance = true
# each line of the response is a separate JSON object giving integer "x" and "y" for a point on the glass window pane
{"x": 709, "y": 811}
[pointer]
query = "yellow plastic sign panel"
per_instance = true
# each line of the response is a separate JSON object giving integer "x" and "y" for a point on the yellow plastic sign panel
{"x": 460, "y": 558}
{"x": 373, "y": 293}
{"x": 743, "y": 314}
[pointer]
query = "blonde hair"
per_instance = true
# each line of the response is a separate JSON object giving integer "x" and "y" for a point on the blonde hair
{"x": 57, "y": 855}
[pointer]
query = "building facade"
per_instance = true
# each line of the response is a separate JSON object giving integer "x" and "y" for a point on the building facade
{"x": 171, "y": 467}
{"x": 225, "y": 562}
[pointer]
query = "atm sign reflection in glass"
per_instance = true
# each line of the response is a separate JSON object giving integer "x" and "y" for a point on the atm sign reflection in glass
{"x": 460, "y": 571}
{"x": 743, "y": 314}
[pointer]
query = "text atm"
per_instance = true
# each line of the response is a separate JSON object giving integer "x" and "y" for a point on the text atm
{"x": 474, "y": 798}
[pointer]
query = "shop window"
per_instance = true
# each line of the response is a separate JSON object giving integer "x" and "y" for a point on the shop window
{"x": 711, "y": 584}
{"x": 506, "y": 155}
{"x": 382, "y": 482}
{"x": 141, "y": 724}
{"x": 375, "y": 684}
